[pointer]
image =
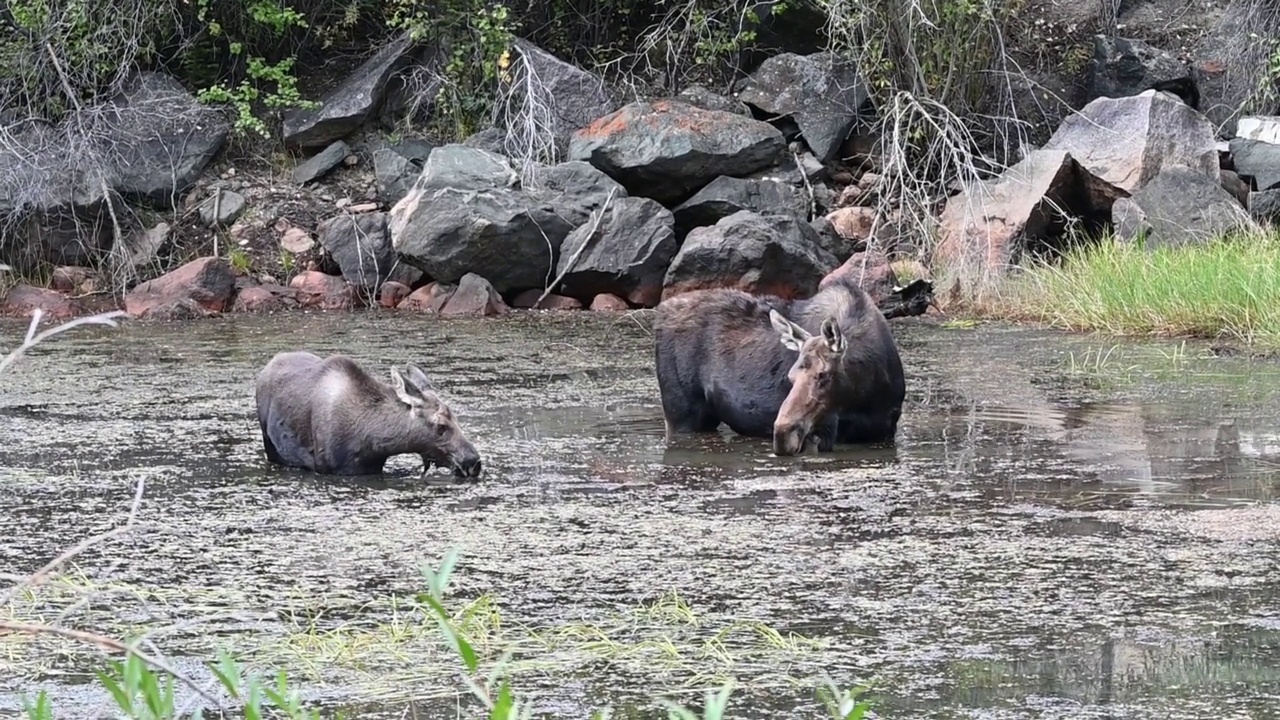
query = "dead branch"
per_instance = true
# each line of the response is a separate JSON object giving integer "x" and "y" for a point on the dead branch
{"x": 595, "y": 225}
{"x": 111, "y": 644}
{"x": 32, "y": 339}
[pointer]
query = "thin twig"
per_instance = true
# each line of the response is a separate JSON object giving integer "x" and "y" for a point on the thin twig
{"x": 595, "y": 225}
{"x": 32, "y": 339}
{"x": 40, "y": 576}
{"x": 108, "y": 643}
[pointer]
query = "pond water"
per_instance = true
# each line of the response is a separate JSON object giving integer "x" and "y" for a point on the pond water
{"x": 1065, "y": 528}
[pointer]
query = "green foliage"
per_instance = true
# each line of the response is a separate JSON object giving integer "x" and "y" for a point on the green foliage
{"x": 475, "y": 38}
{"x": 274, "y": 19}
{"x": 942, "y": 50}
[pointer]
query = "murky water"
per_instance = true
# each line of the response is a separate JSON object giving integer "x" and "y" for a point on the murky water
{"x": 1060, "y": 532}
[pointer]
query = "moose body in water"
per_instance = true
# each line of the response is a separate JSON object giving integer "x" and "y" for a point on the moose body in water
{"x": 829, "y": 374}
{"x": 330, "y": 416}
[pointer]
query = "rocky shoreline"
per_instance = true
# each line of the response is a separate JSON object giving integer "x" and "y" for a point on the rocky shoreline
{"x": 771, "y": 187}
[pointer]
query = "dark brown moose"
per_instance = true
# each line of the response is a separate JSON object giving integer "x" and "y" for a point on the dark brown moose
{"x": 330, "y": 416}
{"x": 830, "y": 374}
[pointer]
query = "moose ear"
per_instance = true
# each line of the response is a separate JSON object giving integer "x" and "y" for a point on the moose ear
{"x": 408, "y": 394}
{"x": 419, "y": 379}
{"x": 831, "y": 333}
{"x": 792, "y": 335}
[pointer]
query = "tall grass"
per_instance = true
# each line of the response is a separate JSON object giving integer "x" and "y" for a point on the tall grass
{"x": 1228, "y": 289}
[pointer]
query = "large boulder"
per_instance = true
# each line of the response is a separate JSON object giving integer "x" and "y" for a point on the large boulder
{"x": 572, "y": 96}
{"x": 24, "y": 300}
{"x": 469, "y": 211}
{"x": 984, "y": 228}
{"x": 1228, "y": 60}
{"x": 204, "y": 286}
{"x": 775, "y": 254}
{"x": 1179, "y": 207}
{"x": 351, "y": 103}
{"x": 1127, "y": 141}
{"x": 725, "y": 196}
{"x": 626, "y": 253}
{"x": 1257, "y": 159}
{"x": 149, "y": 142}
{"x": 395, "y": 167}
{"x": 820, "y": 92}
{"x": 1122, "y": 66}
{"x": 161, "y": 138}
{"x": 667, "y": 150}
{"x": 705, "y": 98}
{"x": 361, "y": 245}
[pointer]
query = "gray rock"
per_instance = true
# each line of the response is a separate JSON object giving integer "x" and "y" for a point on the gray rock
{"x": 775, "y": 254}
{"x": 1128, "y": 141}
{"x": 833, "y": 242}
{"x": 361, "y": 245}
{"x": 1129, "y": 219}
{"x": 1258, "y": 160}
{"x": 1264, "y": 206}
{"x": 1122, "y": 66}
{"x": 409, "y": 97}
{"x": 821, "y": 92}
{"x": 1232, "y": 183}
{"x": 322, "y": 162}
{"x": 146, "y": 246}
{"x": 727, "y": 195}
{"x": 457, "y": 166}
{"x": 54, "y": 180}
{"x": 491, "y": 139}
{"x": 474, "y": 297}
{"x": 469, "y": 212}
{"x": 667, "y": 150}
{"x": 162, "y": 138}
{"x": 394, "y": 174}
{"x": 222, "y": 208}
{"x": 700, "y": 96}
{"x": 1259, "y": 127}
{"x": 396, "y": 167}
{"x": 626, "y": 254}
{"x": 348, "y": 105}
{"x": 1225, "y": 60}
{"x": 1179, "y": 206}
{"x": 574, "y": 96}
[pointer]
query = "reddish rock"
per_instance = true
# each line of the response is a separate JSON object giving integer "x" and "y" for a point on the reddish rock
{"x": 24, "y": 300}
{"x": 474, "y": 297}
{"x": 853, "y": 223}
{"x": 392, "y": 293}
{"x": 326, "y": 292}
{"x": 428, "y": 298}
{"x": 527, "y": 298}
{"x": 74, "y": 279}
{"x": 850, "y": 196}
{"x": 257, "y": 299}
{"x": 868, "y": 270}
{"x": 204, "y": 286}
{"x": 984, "y": 228}
{"x": 607, "y": 302}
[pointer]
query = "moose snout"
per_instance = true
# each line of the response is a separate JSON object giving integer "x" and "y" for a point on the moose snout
{"x": 789, "y": 439}
{"x": 468, "y": 465}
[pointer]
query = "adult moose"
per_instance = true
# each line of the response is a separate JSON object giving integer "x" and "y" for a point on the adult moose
{"x": 831, "y": 373}
{"x": 330, "y": 416}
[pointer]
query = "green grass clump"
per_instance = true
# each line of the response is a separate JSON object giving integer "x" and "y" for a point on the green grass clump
{"x": 1226, "y": 289}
